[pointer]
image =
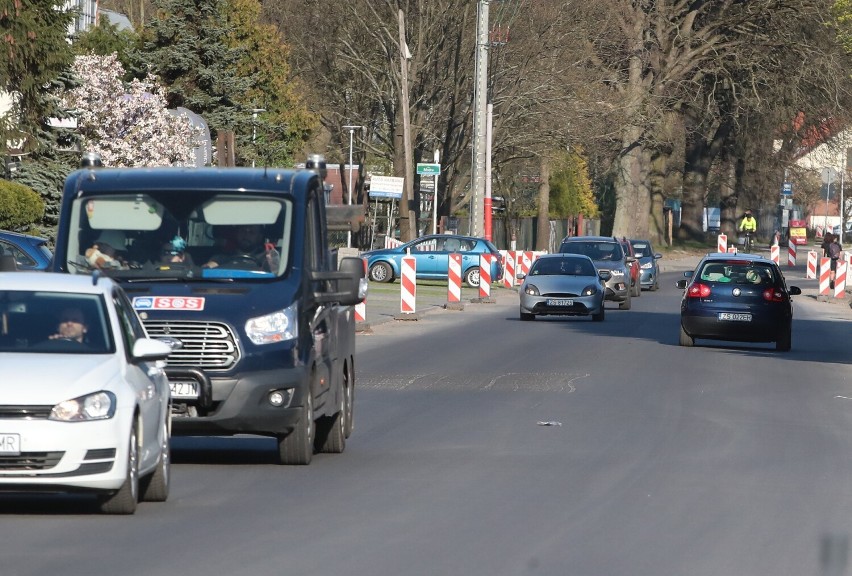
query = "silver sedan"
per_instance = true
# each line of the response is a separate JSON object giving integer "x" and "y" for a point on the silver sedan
{"x": 563, "y": 284}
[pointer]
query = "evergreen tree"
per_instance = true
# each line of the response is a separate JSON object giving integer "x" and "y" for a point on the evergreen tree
{"x": 187, "y": 47}
{"x": 571, "y": 191}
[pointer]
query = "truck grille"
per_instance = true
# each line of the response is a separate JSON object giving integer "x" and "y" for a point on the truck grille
{"x": 206, "y": 345}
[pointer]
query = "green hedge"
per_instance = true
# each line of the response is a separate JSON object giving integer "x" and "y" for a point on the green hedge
{"x": 20, "y": 206}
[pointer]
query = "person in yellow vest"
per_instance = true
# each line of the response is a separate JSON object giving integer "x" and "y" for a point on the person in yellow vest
{"x": 748, "y": 223}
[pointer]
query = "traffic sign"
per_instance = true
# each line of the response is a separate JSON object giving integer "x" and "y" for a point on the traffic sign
{"x": 787, "y": 190}
{"x": 428, "y": 169}
{"x": 386, "y": 187}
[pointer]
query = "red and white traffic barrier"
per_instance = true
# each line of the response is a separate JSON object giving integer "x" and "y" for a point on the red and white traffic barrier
{"x": 523, "y": 262}
{"x": 732, "y": 249}
{"x": 509, "y": 270}
{"x": 840, "y": 279}
{"x": 824, "y": 276}
{"x": 454, "y": 278}
{"x": 774, "y": 253}
{"x": 408, "y": 285}
{"x": 812, "y": 265}
{"x": 392, "y": 242}
{"x": 791, "y": 253}
{"x": 722, "y": 243}
{"x": 485, "y": 275}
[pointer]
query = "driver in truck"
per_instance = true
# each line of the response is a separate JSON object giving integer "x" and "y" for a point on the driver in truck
{"x": 246, "y": 248}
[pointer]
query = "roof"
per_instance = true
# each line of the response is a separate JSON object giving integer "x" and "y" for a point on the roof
{"x": 46, "y": 281}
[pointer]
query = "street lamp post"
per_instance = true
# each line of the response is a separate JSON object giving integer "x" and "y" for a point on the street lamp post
{"x": 351, "y": 129}
{"x": 254, "y": 113}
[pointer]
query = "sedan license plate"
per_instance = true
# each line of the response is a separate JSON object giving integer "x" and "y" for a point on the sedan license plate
{"x": 10, "y": 444}
{"x": 184, "y": 390}
{"x": 734, "y": 317}
{"x": 560, "y": 302}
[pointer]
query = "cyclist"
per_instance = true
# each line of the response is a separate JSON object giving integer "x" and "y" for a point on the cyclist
{"x": 749, "y": 226}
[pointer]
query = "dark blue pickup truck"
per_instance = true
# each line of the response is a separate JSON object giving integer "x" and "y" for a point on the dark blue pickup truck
{"x": 234, "y": 266}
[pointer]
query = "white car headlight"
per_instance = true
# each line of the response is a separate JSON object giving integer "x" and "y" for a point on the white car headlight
{"x": 276, "y": 327}
{"x": 96, "y": 406}
{"x": 590, "y": 290}
{"x": 532, "y": 290}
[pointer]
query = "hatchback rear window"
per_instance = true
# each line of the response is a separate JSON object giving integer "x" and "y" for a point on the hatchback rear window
{"x": 738, "y": 273}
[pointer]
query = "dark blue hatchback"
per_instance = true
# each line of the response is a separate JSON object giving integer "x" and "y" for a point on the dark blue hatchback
{"x": 742, "y": 298}
{"x": 28, "y": 252}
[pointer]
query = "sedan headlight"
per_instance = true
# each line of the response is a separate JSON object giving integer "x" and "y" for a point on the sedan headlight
{"x": 532, "y": 290}
{"x": 96, "y": 406}
{"x": 590, "y": 290}
{"x": 276, "y": 327}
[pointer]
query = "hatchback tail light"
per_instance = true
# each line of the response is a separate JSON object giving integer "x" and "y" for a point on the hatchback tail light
{"x": 698, "y": 290}
{"x": 773, "y": 295}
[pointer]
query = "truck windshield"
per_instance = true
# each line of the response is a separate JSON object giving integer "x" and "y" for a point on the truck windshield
{"x": 181, "y": 234}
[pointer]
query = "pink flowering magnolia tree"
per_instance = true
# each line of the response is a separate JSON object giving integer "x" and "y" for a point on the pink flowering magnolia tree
{"x": 127, "y": 124}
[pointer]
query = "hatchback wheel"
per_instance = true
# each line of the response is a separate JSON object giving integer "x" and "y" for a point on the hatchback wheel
{"x": 686, "y": 339}
{"x": 625, "y": 305}
{"x": 125, "y": 500}
{"x": 599, "y": 317}
{"x": 525, "y": 316}
{"x": 471, "y": 277}
{"x": 381, "y": 272}
{"x": 785, "y": 340}
{"x": 155, "y": 488}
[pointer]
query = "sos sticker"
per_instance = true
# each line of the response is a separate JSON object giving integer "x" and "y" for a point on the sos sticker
{"x": 168, "y": 303}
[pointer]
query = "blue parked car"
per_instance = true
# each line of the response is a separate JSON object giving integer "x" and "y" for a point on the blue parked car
{"x": 649, "y": 269}
{"x": 29, "y": 252}
{"x": 432, "y": 255}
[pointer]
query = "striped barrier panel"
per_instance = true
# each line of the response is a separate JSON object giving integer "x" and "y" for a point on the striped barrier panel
{"x": 722, "y": 243}
{"x": 732, "y": 249}
{"x": 791, "y": 254}
{"x": 485, "y": 275}
{"x": 408, "y": 285}
{"x": 454, "y": 278}
{"x": 392, "y": 242}
{"x": 819, "y": 231}
{"x": 812, "y": 265}
{"x": 840, "y": 279}
{"x": 523, "y": 262}
{"x": 509, "y": 270}
{"x": 824, "y": 276}
{"x": 775, "y": 254}
{"x": 361, "y": 307}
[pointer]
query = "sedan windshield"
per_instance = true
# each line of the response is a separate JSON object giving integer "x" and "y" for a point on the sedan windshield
{"x": 562, "y": 267}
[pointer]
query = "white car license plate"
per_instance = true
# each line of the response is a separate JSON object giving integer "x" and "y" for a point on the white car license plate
{"x": 731, "y": 316}
{"x": 184, "y": 390}
{"x": 559, "y": 302}
{"x": 10, "y": 444}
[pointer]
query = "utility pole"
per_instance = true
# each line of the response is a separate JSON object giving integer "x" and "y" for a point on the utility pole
{"x": 404, "y": 56}
{"x": 349, "y": 189}
{"x": 480, "y": 98}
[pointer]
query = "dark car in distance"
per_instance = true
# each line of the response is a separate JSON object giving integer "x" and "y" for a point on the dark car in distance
{"x": 28, "y": 252}
{"x": 740, "y": 298}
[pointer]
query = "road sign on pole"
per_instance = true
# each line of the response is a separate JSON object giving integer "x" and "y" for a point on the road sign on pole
{"x": 428, "y": 169}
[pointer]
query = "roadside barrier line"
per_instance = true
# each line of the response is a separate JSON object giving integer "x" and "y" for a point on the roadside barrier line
{"x": 408, "y": 285}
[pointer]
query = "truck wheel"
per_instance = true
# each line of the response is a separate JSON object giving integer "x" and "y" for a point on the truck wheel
{"x": 381, "y": 272}
{"x": 331, "y": 438}
{"x": 155, "y": 488}
{"x": 349, "y": 406}
{"x": 125, "y": 500}
{"x": 471, "y": 277}
{"x": 297, "y": 447}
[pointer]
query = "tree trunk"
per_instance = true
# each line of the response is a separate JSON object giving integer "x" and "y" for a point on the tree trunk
{"x": 542, "y": 236}
{"x": 632, "y": 193}
{"x": 657, "y": 232}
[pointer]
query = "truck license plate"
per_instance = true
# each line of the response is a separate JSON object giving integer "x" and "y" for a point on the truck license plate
{"x": 184, "y": 390}
{"x": 10, "y": 444}
{"x": 559, "y": 302}
{"x": 734, "y": 317}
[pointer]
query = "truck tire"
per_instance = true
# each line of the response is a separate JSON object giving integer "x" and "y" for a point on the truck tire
{"x": 331, "y": 438}
{"x": 297, "y": 447}
{"x": 124, "y": 501}
{"x": 349, "y": 393}
{"x": 381, "y": 272}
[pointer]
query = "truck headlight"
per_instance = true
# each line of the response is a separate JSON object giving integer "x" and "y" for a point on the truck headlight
{"x": 276, "y": 327}
{"x": 95, "y": 406}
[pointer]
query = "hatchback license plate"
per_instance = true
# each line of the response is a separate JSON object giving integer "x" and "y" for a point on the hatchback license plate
{"x": 10, "y": 444}
{"x": 184, "y": 390}
{"x": 559, "y": 302}
{"x": 734, "y": 317}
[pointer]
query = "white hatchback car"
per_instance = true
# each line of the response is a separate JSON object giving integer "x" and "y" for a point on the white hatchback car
{"x": 84, "y": 399}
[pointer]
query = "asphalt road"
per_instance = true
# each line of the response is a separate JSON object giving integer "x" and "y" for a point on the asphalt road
{"x": 487, "y": 446}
